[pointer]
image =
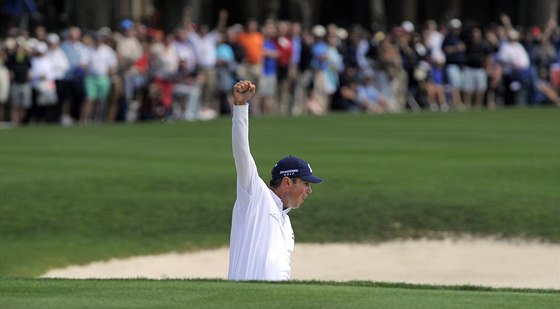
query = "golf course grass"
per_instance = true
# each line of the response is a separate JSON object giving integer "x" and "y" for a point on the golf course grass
{"x": 80, "y": 194}
{"x": 74, "y": 195}
{"x": 45, "y": 293}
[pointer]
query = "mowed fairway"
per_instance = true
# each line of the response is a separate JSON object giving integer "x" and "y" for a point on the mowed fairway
{"x": 28, "y": 293}
{"x": 75, "y": 195}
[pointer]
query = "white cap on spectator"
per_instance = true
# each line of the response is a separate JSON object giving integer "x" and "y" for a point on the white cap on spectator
{"x": 407, "y": 26}
{"x": 455, "y": 23}
{"x": 513, "y": 35}
{"x": 21, "y": 41}
{"x": 41, "y": 47}
{"x": 319, "y": 31}
{"x": 236, "y": 28}
{"x": 53, "y": 38}
{"x": 10, "y": 43}
{"x": 341, "y": 33}
{"x": 104, "y": 31}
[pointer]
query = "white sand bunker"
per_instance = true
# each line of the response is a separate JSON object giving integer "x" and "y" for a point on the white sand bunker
{"x": 451, "y": 262}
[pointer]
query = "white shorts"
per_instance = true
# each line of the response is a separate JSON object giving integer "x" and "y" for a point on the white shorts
{"x": 474, "y": 80}
{"x": 20, "y": 94}
{"x": 454, "y": 76}
{"x": 267, "y": 85}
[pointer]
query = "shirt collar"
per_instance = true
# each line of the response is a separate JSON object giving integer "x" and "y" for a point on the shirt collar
{"x": 279, "y": 203}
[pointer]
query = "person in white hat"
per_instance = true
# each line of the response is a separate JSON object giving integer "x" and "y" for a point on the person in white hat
{"x": 42, "y": 81}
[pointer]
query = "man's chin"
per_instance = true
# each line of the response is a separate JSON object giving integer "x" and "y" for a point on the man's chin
{"x": 296, "y": 206}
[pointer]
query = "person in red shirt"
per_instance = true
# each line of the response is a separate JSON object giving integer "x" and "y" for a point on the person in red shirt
{"x": 285, "y": 77}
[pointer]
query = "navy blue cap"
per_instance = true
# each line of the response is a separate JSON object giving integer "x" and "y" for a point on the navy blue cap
{"x": 294, "y": 167}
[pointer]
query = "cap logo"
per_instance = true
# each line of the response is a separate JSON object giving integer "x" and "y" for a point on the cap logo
{"x": 289, "y": 172}
{"x": 310, "y": 170}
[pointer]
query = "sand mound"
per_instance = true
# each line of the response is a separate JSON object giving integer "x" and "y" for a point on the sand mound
{"x": 466, "y": 261}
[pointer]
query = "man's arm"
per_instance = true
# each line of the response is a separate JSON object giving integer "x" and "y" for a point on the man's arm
{"x": 244, "y": 162}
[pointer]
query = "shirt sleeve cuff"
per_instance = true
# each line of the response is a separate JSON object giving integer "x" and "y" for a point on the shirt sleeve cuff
{"x": 241, "y": 109}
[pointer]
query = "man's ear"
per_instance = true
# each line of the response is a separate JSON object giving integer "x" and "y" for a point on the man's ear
{"x": 286, "y": 181}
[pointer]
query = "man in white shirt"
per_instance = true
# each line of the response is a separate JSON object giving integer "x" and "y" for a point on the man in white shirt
{"x": 515, "y": 63}
{"x": 262, "y": 239}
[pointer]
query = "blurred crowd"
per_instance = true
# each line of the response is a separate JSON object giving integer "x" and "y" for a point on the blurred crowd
{"x": 137, "y": 73}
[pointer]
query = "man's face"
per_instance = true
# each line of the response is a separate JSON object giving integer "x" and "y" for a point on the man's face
{"x": 298, "y": 192}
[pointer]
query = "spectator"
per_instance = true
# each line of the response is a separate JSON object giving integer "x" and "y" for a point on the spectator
{"x": 302, "y": 62}
{"x": 434, "y": 39}
{"x": 515, "y": 62}
{"x": 475, "y": 77}
{"x": 390, "y": 77}
{"x": 429, "y": 74}
{"x": 129, "y": 50}
{"x": 454, "y": 49}
{"x": 232, "y": 34}
{"x": 335, "y": 67}
{"x": 226, "y": 67}
{"x": 409, "y": 56}
{"x": 545, "y": 91}
{"x": 4, "y": 83}
{"x": 205, "y": 42}
{"x": 320, "y": 63}
{"x": 349, "y": 90}
{"x": 42, "y": 76}
{"x": 60, "y": 66}
{"x": 285, "y": 73}
{"x": 73, "y": 92}
{"x": 268, "y": 82}
{"x": 187, "y": 91}
{"x": 19, "y": 65}
{"x": 101, "y": 65}
{"x": 165, "y": 64}
{"x": 494, "y": 71}
{"x": 542, "y": 55}
{"x": 369, "y": 98}
{"x": 140, "y": 80}
{"x": 253, "y": 44}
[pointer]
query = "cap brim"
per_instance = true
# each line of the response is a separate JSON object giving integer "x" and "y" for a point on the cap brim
{"x": 312, "y": 179}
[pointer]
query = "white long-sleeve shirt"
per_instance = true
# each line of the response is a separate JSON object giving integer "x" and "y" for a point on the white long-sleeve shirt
{"x": 41, "y": 69}
{"x": 59, "y": 61}
{"x": 262, "y": 239}
{"x": 513, "y": 56}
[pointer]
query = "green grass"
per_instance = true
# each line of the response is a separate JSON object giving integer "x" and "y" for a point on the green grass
{"x": 74, "y": 195}
{"x": 42, "y": 293}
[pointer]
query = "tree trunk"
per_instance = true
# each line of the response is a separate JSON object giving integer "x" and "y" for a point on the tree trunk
{"x": 377, "y": 13}
{"x": 541, "y": 11}
{"x": 272, "y": 9}
{"x": 252, "y": 9}
{"x": 453, "y": 9}
{"x": 409, "y": 10}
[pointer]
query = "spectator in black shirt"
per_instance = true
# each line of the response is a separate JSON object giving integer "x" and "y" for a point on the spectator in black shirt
{"x": 19, "y": 64}
{"x": 475, "y": 77}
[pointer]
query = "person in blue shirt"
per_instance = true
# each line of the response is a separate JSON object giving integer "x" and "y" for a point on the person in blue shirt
{"x": 268, "y": 82}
